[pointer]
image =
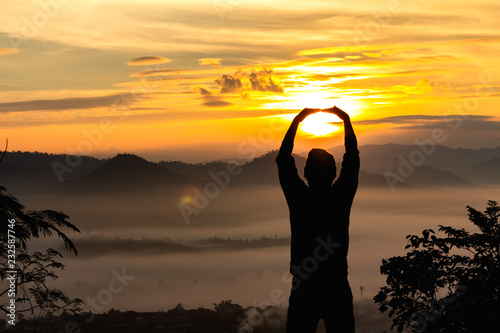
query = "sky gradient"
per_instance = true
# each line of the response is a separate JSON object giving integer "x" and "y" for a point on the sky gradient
{"x": 203, "y": 80}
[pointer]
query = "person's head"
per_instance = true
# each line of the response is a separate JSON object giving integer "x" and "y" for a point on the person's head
{"x": 320, "y": 169}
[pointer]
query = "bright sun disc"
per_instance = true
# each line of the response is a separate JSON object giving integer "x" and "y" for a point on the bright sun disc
{"x": 320, "y": 124}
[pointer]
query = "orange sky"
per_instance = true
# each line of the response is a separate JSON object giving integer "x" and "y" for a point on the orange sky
{"x": 202, "y": 80}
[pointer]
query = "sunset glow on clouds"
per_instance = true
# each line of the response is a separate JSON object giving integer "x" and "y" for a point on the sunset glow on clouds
{"x": 197, "y": 75}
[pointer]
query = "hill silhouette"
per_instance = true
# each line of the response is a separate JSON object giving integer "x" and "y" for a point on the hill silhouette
{"x": 200, "y": 171}
{"x": 463, "y": 162}
{"x": 34, "y": 172}
{"x": 262, "y": 170}
{"x": 128, "y": 172}
{"x": 96, "y": 246}
{"x": 485, "y": 172}
{"x": 427, "y": 176}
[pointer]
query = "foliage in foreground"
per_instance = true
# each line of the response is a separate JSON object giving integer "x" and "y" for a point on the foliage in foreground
{"x": 448, "y": 283}
{"x": 33, "y": 270}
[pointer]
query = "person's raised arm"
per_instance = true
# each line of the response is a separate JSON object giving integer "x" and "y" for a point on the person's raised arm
{"x": 350, "y": 141}
{"x": 287, "y": 144}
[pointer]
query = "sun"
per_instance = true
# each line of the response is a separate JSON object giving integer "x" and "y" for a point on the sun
{"x": 320, "y": 124}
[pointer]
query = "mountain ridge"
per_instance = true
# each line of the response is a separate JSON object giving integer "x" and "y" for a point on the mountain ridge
{"x": 437, "y": 166}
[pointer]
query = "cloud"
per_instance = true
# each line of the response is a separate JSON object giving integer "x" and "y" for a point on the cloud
{"x": 421, "y": 87}
{"x": 204, "y": 91}
{"x": 471, "y": 122}
{"x": 255, "y": 81}
{"x": 212, "y": 100}
{"x": 8, "y": 51}
{"x": 229, "y": 84}
{"x": 149, "y": 60}
{"x": 368, "y": 54}
{"x": 217, "y": 103}
{"x": 157, "y": 72}
{"x": 353, "y": 47}
{"x": 66, "y": 103}
{"x": 406, "y": 119}
{"x": 477, "y": 125}
{"x": 263, "y": 81}
{"x": 214, "y": 62}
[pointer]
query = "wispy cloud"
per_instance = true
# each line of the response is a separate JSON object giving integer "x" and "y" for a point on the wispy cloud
{"x": 212, "y": 100}
{"x": 62, "y": 104}
{"x": 433, "y": 121}
{"x": 8, "y": 51}
{"x": 262, "y": 58}
{"x": 214, "y": 62}
{"x": 148, "y": 60}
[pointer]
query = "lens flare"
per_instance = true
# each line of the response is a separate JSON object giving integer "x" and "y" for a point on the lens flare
{"x": 186, "y": 199}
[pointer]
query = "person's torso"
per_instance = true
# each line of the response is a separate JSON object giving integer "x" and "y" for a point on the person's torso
{"x": 320, "y": 231}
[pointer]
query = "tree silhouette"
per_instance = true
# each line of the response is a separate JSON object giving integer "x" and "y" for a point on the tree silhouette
{"x": 449, "y": 283}
{"x": 5, "y": 151}
{"x": 228, "y": 308}
{"x": 33, "y": 270}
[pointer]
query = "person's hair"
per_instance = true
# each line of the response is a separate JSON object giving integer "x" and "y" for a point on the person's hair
{"x": 320, "y": 169}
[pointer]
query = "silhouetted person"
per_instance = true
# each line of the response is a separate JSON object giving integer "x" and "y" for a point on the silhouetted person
{"x": 319, "y": 222}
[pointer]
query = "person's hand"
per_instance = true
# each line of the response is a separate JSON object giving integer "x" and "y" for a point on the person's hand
{"x": 338, "y": 112}
{"x": 304, "y": 113}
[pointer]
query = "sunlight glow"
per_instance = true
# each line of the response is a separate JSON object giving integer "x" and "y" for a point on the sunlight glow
{"x": 320, "y": 124}
{"x": 319, "y": 99}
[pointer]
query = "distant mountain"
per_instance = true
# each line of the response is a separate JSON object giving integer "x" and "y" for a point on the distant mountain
{"x": 367, "y": 179}
{"x": 462, "y": 162}
{"x": 96, "y": 246}
{"x": 128, "y": 172}
{"x": 426, "y": 176}
{"x": 39, "y": 171}
{"x": 438, "y": 166}
{"x": 200, "y": 171}
{"x": 485, "y": 172}
{"x": 263, "y": 170}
